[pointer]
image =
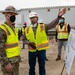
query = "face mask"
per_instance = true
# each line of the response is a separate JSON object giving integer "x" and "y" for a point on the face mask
{"x": 12, "y": 18}
{"x": 61, "y": 21}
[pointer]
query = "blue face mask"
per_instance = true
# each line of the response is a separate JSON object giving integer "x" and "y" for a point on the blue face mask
{"x": 61, "y": 20}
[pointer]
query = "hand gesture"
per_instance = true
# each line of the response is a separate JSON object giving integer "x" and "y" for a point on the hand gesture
{"x": 32, "y": 45}
{"x": 62, "y": 12}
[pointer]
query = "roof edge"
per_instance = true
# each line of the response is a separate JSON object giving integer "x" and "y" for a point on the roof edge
{"x": 48, "y": 7}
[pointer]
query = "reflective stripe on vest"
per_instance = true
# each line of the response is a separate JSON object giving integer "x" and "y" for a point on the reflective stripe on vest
{"x": 62, "y": 33}
{"x": 41, "y": 40}
{"x": 62, "y": 36}
{"x": 12, "y": 47}
{"x": 42, "y": 45}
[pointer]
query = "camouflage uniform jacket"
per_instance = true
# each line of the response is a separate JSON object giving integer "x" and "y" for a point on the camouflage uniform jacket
{"x": 3, "y": 58}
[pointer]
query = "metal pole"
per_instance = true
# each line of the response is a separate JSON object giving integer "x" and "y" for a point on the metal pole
{"x": 63, "y": 69}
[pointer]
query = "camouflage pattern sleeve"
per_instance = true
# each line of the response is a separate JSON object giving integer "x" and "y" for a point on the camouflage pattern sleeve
{"x": 3, "y": 56}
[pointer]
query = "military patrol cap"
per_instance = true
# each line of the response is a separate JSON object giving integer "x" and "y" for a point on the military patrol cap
{"x": 10, "y": 9}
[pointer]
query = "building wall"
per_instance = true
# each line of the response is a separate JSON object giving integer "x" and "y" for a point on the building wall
{"x": 49, "y": 16}
{"x": 2, "y": 19}
{"x": 44, "y": 14}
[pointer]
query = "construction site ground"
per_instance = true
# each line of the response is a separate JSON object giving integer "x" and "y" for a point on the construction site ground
{"x": 52, "y": 67}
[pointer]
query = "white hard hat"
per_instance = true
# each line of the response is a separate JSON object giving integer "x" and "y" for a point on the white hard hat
{"x": 41, "y": 21}
{"x": 33, "y": 14}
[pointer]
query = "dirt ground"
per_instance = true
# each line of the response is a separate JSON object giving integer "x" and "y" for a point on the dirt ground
{"x": 52, "y": 67}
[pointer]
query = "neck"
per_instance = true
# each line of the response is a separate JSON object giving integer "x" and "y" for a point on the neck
{"x": 9, "y": 23}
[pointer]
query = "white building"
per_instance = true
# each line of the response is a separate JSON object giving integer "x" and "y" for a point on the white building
{"x": 46, "y": 13}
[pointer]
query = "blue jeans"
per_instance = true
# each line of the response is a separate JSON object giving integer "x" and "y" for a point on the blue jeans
{"x": 41, "y": 61}
{"x": 60, "y": 44}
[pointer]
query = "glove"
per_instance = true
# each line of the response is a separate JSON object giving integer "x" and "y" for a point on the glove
{"x": 32, "y": 45}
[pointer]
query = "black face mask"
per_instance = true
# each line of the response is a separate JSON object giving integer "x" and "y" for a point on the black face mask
{"x": 12, "y": 18}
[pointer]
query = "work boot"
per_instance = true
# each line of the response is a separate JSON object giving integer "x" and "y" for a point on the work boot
{"x": 58, "y": 58}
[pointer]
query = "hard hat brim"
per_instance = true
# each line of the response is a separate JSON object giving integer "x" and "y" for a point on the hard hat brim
{"x": 33, "y": 17}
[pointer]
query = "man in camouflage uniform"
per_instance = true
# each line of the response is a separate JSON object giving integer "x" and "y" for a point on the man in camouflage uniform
{"x": 9, "y": 47}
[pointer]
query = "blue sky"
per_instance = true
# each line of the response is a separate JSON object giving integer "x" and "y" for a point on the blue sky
{"x": 34, "y": 3}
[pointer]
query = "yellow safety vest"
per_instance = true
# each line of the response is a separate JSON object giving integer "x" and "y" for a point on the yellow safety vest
{"x": 16, "y": 30}
{"x": 62, "y": 33}
{"x": 12, "y": 47}
{"x": 23, "y": 30}
{"x": 41, "y": 39}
